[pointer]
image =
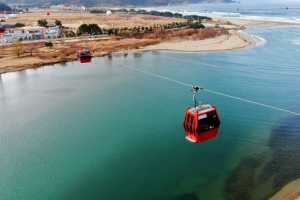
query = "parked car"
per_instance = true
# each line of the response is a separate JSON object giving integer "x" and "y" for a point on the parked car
{"x": 2, "y": 20}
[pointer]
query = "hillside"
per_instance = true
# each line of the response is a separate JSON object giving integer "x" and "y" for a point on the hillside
{"x": 111, "y": 2}
{"x": 4, "y": 7}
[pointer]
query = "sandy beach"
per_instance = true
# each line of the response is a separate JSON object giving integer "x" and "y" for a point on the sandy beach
{"x": 289, "y": 192}
{"x": 235, "y": 40}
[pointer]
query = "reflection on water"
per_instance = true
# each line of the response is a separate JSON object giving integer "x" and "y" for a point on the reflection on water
{"x": 63, "y": 64}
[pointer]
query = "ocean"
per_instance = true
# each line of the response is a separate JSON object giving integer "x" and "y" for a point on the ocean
{"x": 112, "y": 128}
{"x": 287, "y": 11}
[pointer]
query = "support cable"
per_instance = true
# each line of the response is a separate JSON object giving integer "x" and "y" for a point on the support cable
{"x": 214, "y": 92}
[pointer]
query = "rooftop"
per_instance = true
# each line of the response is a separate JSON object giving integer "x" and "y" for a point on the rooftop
{"x": 31, "y": 28}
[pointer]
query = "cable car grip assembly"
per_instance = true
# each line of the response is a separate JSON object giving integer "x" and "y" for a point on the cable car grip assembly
{"x": 195, "y": 90}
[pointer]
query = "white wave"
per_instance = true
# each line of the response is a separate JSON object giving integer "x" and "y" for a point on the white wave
{"x": 224, "y": 14}
{"x": 259, "y": 41}
{"x": 216, "y": 14}
{"x": 274, "y": 19}
{"x": 297, "y": 42}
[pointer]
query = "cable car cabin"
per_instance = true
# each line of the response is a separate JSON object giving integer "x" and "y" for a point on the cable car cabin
{"x": 201, "y": 123}
{"x": 85, "y": 60}
{"x": 84, "y": 56}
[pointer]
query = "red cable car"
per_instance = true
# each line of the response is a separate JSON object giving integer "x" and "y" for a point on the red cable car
{"x": 84, "y": 54}
{"x": 202, "y": 121}
{"x": 2, "y": 29}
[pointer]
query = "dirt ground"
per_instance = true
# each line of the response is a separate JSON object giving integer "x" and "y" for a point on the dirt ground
{"x": 73, "y": 20}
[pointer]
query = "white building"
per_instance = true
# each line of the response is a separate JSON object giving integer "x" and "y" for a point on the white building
{"x": 11, "y": 16}
{"x": 30, "y": 32}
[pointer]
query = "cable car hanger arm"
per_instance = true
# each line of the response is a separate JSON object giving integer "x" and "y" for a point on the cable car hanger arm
{"x": 195, "y": 90}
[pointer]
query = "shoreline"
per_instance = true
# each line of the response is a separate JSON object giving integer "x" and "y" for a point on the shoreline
{"x": 235, "y": 40}
{"x": 290, "y": 191}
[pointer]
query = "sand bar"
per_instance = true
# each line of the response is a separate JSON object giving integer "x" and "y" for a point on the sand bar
{"x": 235, "y": 40}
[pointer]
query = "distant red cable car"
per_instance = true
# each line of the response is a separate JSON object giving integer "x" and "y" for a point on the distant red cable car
{"x": 84, "y": 54}
{"x": 202, "y": 121}
{"x": 2, "y": 29}
{"x": 47, "y": 13}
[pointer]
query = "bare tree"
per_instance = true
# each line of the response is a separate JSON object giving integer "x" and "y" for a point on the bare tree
{"x": 17, "y": 48}
{"x": 31, "y": 46}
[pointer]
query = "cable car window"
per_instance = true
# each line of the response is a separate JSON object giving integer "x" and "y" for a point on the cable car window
{"x": 202, "y": 116}
{"x": 191, "y": 124}
{"x": 210, "y": 122}
{"x": 187, "y": 122}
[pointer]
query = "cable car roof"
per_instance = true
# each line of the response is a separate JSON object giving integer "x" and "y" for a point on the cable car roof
{"x": 202, "y": 108}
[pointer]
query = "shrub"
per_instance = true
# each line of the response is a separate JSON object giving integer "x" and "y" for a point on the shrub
{"x": 48, "y": 44}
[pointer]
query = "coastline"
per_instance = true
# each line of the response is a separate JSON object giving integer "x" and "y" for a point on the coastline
{"x": 291, "y": 191}
{"x": 233, "y": 41}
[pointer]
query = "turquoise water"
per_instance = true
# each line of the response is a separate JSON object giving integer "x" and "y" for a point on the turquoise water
{"x": 105, "y": 131}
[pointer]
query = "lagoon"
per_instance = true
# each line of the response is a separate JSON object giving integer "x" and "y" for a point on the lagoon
{"x": 104, "y": 131}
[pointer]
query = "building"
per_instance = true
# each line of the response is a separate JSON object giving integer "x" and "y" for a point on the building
{"x": 30, "y": 32}
{"x": 11, "y": 16}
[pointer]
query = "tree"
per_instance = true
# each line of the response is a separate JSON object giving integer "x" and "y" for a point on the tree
{"x": 110, "y": 31}
{"x": 116, "y": 31}
{"x": 58, "y": 23}
{"x": 48, "y": 44}
{"x": 42, "y": 22}
{"x": 71, "y": 33}
{"x": 95, "y": 29}
{"x": 83, "y": 28}
{"x": 18, "y": 24}
{"x": 90, "y": 29}
{"x": 30, "y": 47}
{"x": 17, "y": 48}
{"x": 4, "y": 7}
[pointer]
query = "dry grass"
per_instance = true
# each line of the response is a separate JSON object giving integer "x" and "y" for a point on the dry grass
{"x": 183, "y": 34}
{"x": 130, "y": 40}
{"x": 73, "y": 20}
{"x": 60, "y": 54}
